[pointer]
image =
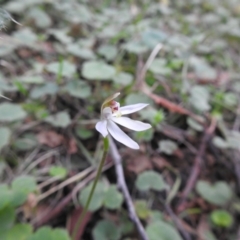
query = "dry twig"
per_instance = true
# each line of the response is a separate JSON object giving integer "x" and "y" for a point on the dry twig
{"x": 123, "y": 187}
{"x": 198, "y": 160}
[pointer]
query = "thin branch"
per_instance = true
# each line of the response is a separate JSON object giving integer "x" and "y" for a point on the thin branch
{"x": 123, "y": 187}
{"x": 198, "y": 160}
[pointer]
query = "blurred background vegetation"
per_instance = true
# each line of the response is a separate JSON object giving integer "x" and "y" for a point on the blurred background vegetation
{"x": 60, "y": 59}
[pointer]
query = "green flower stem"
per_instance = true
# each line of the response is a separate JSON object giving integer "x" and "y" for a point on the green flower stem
{"x": 85, "y": 209}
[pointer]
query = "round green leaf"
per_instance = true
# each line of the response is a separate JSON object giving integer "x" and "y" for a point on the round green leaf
{"x": 142, "y": 209}
{"x": 26, "y": 184}
{"x": 98, "y": 196}
{"x": 48, "y": 89}
{"x": 98, "y": 70}
{"x": 61, "y": 119}
{"x": 168, "y": 147}
{"x": 19, "y": 232}
{"x": 5, "y": 196}
{"x": 78, "y": 89}
{"x": 42, "y": 233}
{"x": 65, "y": 68}
{"x": 18, "y": 197}
{"x": 150, "y": 180}
{"x": 158, "y": 66}
{"x": 7, "y": 218}
{"x": 59, "y": 172}
{"x": 84, "y": 133}
{"x": 134, "y": 98}
{"x": 123, "y": 78}
{"x": 222, "y": 218}
{"x": 108, "y": 51}
{"x": 219, "y": 193}
{"x": 31, "y": 79}
{"x": 106, "y": 230}
{"x": 113, "y": 198}
{"x": 5, "y": 134}
{"x": 199, "y": 98}
{"x": 60, "y": 234}
{"x": 162, "y": 231}
{"x": 10, "y": 112}
{"x": 78, "y": 51}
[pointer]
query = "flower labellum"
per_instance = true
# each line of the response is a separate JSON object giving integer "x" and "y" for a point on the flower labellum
{"x": 112, "y": 113}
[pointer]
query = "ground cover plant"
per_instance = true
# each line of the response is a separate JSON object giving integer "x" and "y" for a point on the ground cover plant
{"x": 59, "y": 60}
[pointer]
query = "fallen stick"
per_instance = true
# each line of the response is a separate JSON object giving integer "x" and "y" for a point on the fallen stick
{"x": 198, "y": 161}
{"x": 123, "y": 187}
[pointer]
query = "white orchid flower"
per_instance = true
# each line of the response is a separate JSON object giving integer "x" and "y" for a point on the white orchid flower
{"x": 111, "y": 113}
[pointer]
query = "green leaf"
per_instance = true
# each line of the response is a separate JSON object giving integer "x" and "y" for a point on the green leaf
{"x": 31, "y": 79}
{"x": 27, "y": 142}
{"x": 162, "y": 231}
{"x": 78, "y": 51}
{"x": 167, "y": 146}
{"x": 42, "y": 233}
{"x": 106, "y": 230}
{"x": 134, "y": 98}
{"x": 25, "y": 184}
{"x": 151, "y": 37}
{"x": 158, "y": 66}
{"x": 219, "y": 193}
{"x": 5, "y": 135}
{"x": 222, "y": 218}
{"x": 194, "y": 125}
{"x": 98, "y": 70}
{"x": 98, "y": 196}
{"x": 48, "y": 89}
{"x": 61, "y": 119}
{"x": 150, "y": 180}
{"x": 84, "y": 133}
{"x": 40, "y": 17}
{"x": 78, "y": 89}
{"x": 10, "y": 112}
{"x": 145, "y": 135}
{"x": 142, "y": 209}
{"x": 19, "y": 232}
{"x": 108, "y": 51}
{"x": 199, "y": 98}
{"x": 113, "y": 198}
{"x": 46, "y": 233}
{"x": 123, "y": 78}
{"x": 220, "y": 142}
{"x": 5, "y": 196}
{"x": 230, "y": 99}
{"x": 18, "y": 197}
{"x": 135, "y": 47}
{"x": 67, "y": 69}
{"x": 7, "y": 218}
{"x": 59, "y": 172}
{"x": 60, "y": 234}
{"x": 25, "y": 36}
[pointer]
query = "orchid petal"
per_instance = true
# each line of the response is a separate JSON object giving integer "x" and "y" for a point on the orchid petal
{"x": 101, "y": 127}
{"x": 106, "y": 113}
{"x": 109, "y": 99}
{"x": 132, "y": 108}
{"x": 120, "y": 136}
{"x": 131, "y": 124}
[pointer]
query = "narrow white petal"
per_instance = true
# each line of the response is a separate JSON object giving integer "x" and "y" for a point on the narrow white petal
{"x": 132, "y": 108}
{"x": 106, "y": 113}
{"x": 101, "y": 127}
{"x": 131, "y": 124}
{"x": 120, "y": 136}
